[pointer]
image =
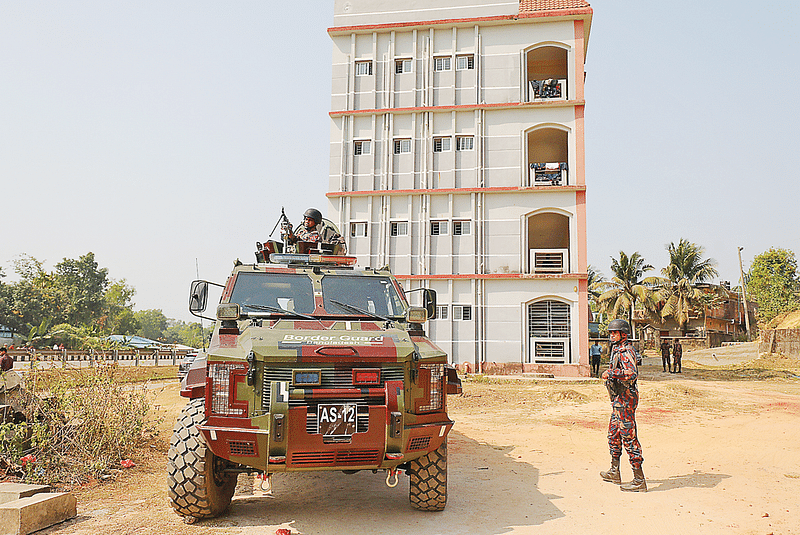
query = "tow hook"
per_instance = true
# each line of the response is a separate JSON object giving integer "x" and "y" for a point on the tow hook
{"x": 265, "y": 478}
{"x": 391, "y": 473}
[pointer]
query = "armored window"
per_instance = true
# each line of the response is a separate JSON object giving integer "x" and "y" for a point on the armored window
{"x": 438, "y": 228}
{"x": 361, "y": 147}
{"x": 363, "y": 68}
{"x": 358, "y": 229}
{"x": 462, "y": 312}
{"x": 442, "y": 63}
{"x": 441, "y": 144}
{"x": 398, "y": 228}
{"x": 461, "y": 228}
{"x": 464, "y": 142}
{"x": 465, "y": 62}
{"x": 402, "y": 65}
{"x": 402, "y": 146}
{"x": 289, "y": 292}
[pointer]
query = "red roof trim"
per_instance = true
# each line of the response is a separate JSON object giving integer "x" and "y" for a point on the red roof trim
{"x": 447, "y": 191}
{"x": 462, "y": 107}
{"x": 577, "y": 12}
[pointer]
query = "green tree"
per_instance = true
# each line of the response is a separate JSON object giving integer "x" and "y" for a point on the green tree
{"x": 683, "y": 288}
{"x": 188, "y": 334}
{"x": 34, "y": 298}
{"x": 627, "y": 290}
{"x": 81, "y": 286}
{"x": 152, "y": 324}
{"x": 773, "y": 283}
{"x": 119, "y": 317}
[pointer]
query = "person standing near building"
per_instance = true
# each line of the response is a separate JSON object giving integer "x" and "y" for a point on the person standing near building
{"x": 620, "y": 380}
{"x": 6, "y": 362}
{"x": 665, "y": 355}
{"x": 677, "y": 353}
{"x": 595, "y": 351}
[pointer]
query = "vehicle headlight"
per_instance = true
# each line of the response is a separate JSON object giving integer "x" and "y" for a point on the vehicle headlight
{"x": 435, "y": 377}
{"x": 228, "y": 311}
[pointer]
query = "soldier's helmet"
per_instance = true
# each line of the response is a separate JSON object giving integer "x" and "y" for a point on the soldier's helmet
{"x": 314, "y": 214}
{"x": 619, "y": 325}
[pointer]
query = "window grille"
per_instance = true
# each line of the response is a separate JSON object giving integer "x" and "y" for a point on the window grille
{"x": 402, "y": 65}
{"x": 461, "y": 228}
{"x": 361, "y": 147}
{"x": 465, "y": 62}
{"x": 358, "y": 229}
{"x": 402, "y": 146}
{"x": 438, "y": 228}
{"x": 464, "y": 142}
{"x": 399, "y": 228}
{"x": 441, "y": 144}
{"x": 548, "y": 319}
{"x": 462, "y": 312}
{"x": 363, "y": 68}
{"x": 441, "y": 312}
{"x": 442, "y": 63}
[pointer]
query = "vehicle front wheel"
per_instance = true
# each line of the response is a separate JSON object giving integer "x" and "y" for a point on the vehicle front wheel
{"x": 197, "y": 486}
{"x": 427, "y": 485}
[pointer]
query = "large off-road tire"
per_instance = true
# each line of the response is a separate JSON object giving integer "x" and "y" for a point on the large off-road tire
{"x": 427, "y": 485}
{"x": 197, "y": 487}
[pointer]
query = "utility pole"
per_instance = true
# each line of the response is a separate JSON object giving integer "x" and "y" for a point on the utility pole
{"x": 744, "y": 296}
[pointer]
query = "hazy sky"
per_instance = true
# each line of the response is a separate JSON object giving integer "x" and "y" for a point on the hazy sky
{"x": 163, "y": 135}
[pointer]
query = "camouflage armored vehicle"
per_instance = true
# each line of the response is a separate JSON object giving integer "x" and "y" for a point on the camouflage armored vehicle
{"x": 313, "y": 365}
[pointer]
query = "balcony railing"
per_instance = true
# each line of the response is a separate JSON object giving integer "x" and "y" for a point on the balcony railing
{"x": 548, "y": 89}
{"x": 549, "y": 174}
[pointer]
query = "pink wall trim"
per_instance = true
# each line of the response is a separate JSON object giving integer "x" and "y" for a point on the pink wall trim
{"x": 461, "y": 107}
{"x": 579, "y": 59}
{"x": 447, "y": 191}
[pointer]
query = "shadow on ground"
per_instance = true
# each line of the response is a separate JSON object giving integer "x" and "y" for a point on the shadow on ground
{"x": 697, "y": 480}
{"x": 488, "y": 493}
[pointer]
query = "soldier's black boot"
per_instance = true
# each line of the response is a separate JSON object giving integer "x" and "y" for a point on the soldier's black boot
{"x": 612, "y": 475}
{"x": 638, "y": 484}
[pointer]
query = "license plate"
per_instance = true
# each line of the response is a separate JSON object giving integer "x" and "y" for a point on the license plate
{"x": 337, "y": 420}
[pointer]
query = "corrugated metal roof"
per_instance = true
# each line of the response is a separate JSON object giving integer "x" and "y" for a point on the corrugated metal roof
{"x": 527, "y": 6}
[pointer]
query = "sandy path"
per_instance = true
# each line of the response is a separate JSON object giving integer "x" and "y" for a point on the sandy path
{"x": 720, "y": 457}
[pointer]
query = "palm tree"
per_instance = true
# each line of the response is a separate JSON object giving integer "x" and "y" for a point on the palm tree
{"x": 680, "y": 289}
{"x": 627, "y": 289}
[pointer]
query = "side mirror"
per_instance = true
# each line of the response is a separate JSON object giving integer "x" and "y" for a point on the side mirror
{"x": 198, "y": 296}
{"x": 429, "y": 302}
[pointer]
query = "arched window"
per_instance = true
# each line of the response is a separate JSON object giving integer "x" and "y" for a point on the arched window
{"x": 548, "y": 243}
{"x": 547, "y": 68}
{"x": 549, "y": 332}
{"x": 548, "y": 156}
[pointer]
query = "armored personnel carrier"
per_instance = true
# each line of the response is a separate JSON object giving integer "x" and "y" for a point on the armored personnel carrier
{"x": 314, "y": 364}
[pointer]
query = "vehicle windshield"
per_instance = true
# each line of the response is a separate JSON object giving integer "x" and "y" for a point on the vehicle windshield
{"x": 292, "y": 293}
{"x": 372, "y": 295}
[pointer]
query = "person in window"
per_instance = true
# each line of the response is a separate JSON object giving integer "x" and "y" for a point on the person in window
{"x": 620, "y": 378}
{"x": 313, "y": 231}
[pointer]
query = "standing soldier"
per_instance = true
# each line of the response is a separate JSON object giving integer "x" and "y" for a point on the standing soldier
{"x": 677, "y": 353}
{"x": 620, "y": 380}
{"x": 665, "y": 355}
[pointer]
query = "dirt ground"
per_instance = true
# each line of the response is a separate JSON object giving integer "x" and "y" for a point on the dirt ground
{"x": 721, "y": 447}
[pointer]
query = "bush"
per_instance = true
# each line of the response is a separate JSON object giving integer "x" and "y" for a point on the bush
{"x": 80, "y": 424}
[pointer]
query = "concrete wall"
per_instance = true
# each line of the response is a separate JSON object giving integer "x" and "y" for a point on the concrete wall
{"x": 784, "y": 341}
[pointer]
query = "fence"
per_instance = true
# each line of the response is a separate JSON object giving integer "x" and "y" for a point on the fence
{"x": 131, "y": 357}
{"x": 784, "y": 341}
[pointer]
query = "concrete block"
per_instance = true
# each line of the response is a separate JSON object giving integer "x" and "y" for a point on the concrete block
{"x": 14, "y": 491}
{"x": 36, "y": 512}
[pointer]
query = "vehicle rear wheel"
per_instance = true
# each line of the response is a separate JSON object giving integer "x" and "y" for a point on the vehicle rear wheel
{"x": 427, "y": 486}
{"x": 197, "y": 486}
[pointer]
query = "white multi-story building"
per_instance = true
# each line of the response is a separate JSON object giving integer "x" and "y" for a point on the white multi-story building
{"x": 457, "y": 158}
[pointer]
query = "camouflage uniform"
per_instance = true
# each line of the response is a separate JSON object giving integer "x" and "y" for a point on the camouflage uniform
{"x": 622, "y": 426}
{"x": 327, "y": 236}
